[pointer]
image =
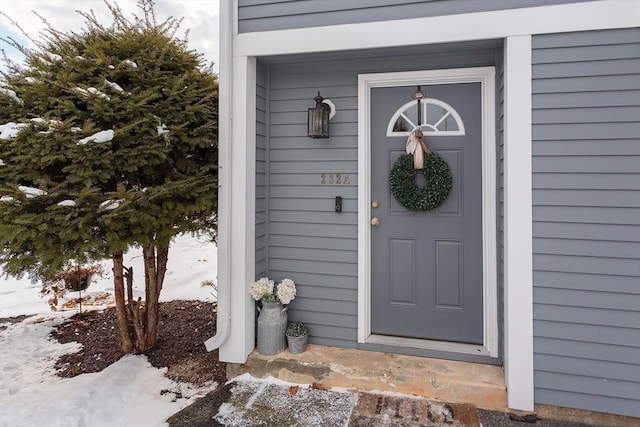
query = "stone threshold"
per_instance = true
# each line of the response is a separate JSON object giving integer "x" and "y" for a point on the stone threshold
{"x": 360, "y": 370}
{"x": 480, "y": 385}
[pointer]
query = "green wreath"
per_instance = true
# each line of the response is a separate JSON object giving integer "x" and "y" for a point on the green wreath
{"x": 408, "y": 194}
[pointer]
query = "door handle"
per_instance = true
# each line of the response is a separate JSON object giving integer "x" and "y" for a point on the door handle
{"x": 375, "y": 221}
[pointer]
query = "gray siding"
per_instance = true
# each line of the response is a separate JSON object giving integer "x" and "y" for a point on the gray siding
{"x": 267, "y": 15}
{"x": 308, "y": 241}
{"x": 586, "y": 212}
{"x": 262, "y": 176}
{"x": 500, "y": 192}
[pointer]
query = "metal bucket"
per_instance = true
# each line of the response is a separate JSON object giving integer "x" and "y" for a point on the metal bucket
{"x": 272, "y": 324}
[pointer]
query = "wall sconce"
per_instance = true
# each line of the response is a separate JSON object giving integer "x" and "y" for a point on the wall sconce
{"x": 318, "y": 120}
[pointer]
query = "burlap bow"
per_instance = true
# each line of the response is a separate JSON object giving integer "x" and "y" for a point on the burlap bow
{"x": 417, "y": 147}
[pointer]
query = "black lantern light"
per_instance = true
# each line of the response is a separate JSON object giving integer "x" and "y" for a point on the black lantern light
{"x": 318, "y": 121}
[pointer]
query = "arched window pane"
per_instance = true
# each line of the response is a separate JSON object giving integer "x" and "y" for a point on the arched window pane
{"x": 438, "y": 119}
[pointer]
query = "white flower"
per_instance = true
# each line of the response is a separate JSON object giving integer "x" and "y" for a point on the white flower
{"x": 286, "y": 291}
{"x": 261, "y": 288}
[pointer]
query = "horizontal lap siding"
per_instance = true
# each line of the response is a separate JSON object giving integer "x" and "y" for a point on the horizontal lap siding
{"x": 308, "y": 241}
{"x": 586, "y": 196}
{"x": 500, "y": 193}
{"x": 267, "y": 15}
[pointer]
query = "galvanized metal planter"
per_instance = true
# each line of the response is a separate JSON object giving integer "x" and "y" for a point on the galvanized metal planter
{"x": 272, "y": 323}
{"x": 297, "y": 345}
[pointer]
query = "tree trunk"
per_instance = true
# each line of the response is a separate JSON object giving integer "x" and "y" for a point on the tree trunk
{"x": 138, "y": 320}
{"x": 133, "y": 311}
{"x": 155, "y": 265}
{"x": 121, "y": 310}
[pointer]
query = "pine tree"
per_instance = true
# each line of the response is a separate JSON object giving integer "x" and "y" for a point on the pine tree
{"x": 108, "y": 141}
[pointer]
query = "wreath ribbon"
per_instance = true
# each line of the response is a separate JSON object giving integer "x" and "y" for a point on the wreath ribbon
{"x": 417, "y": 147}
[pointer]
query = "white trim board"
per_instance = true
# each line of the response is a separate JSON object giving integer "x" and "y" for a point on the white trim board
{"x": 497, "y": 24}
{"x": 518, "y": 224}
{"x": 486, "y": 77}
{"x": 239, "y": 204}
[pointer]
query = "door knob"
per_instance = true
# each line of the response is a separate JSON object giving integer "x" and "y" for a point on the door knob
{"x": 375, "y": 221}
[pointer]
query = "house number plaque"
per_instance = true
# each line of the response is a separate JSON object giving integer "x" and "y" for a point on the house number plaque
{"x": 334, "y": 178}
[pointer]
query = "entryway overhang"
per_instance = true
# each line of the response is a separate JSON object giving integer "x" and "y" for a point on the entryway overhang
{"x": 237, "y": 160}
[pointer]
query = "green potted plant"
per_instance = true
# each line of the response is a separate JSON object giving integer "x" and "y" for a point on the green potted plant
{"x": 297, "y": 337}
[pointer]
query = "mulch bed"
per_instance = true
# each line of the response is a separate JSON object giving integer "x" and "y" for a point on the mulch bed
{"x": 183, "y": 328}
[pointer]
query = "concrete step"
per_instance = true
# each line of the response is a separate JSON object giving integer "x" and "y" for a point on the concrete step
{"x": 358, "y": 370}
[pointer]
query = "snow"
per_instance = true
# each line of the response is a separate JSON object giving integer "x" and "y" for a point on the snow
{"x": 6, "y": 199}
{"x": 250, "y": 397}
{"x": 110, "y": 205}
{"x": 31, "y": 192}
{"x": 1, "y": 162}
{"x": 30, "y": 80}
{"x": 67, "y": 203}
{"x": 81, "y": 91}
{"x": 52, "y": 124}
{"x": 96, "y": 92}
{"x": 55, "y": 57}
{"x": 114, "y": 86}
{"x": 91, "y": 91}
{"x": 130, "y": 63}
{"x": 162, "y": 129}
{"x": 102, "y": 136}
{"x": 10, "y": 130}
{"x": 11, "y": 94}
{"x": 111, "y": 67}
{"x": 130, "y": 392}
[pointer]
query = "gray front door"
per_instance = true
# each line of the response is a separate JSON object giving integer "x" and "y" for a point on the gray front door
{"x": 426, "y": 267}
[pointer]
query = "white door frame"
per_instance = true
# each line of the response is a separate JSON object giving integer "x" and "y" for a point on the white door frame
{"x": 486, "y": 77}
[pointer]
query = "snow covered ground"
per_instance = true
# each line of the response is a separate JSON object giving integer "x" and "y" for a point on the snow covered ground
{"x": 128, "y": 393}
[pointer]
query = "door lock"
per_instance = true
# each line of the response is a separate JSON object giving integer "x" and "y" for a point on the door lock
{"x": 375, "y": 221}
{"x": 375, "y": 204}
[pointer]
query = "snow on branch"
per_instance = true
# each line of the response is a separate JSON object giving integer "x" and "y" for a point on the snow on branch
{"x": 10, "y": 130}
{"x": 11, "y": 94}
{"x": 91, "y": 91}
{"x": 67, "y": 202}
{"x": 110, "y": 204}
{"x": 114, "y": 86}
{"x": 32, "y": 192}
{"x": 102, "y": 136}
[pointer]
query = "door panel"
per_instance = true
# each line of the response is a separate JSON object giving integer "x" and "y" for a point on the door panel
{"x": 427, "y": 266}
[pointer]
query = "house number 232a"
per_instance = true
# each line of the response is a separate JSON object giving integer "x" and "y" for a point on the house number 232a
{"x": 334, "y": 178}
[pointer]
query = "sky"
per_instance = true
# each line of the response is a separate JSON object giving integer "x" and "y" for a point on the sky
{"x": 200, "y": 18}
